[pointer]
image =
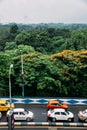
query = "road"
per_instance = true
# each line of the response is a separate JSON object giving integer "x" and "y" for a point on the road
{"x": 40, "y": 114}
{"x": 40, "y": 111}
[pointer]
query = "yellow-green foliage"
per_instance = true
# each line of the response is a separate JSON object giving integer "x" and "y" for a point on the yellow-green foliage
{"x": 71, "y": 55}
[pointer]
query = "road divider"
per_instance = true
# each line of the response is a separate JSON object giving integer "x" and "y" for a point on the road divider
{"x": 46, "y": 124}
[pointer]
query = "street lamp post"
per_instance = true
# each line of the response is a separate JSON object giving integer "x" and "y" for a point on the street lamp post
{"x": 11, "y": 116}
{"x": 22, "y": 73}
{"x": 11, "y": 66}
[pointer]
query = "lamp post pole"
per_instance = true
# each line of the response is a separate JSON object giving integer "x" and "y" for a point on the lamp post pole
{"x": 22, "y": 73}
{"x": 11, "y": 66}
{"x": 11, "y": 116}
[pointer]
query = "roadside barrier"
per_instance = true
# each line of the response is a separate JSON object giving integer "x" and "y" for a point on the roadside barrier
{"x": 51, "y": 124}
{"x": 74, "y": 101}
{"x": 46, "y": 124}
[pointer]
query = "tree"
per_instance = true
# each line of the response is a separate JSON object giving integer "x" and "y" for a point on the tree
{"x": 10, "y": 46}
{"x": 14, "y": 29}
{"x": 4, "y": 73}
{"x": 21, "y": 38}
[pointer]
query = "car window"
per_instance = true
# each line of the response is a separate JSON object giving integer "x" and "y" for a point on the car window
{"x": 15, "y": 113}
{"x": 51, "y": 111}
{"x": 67, "y": 112}
{"x": 6, "y": 102}
{"x": 21, "y": 113}
{"x": 84, "y": 112}
{"x": 2, "y": 104}
{"x": 55, "y": 104}
{"x": 59, "y": 104}
{"x": 63, "y": 113}
{"x": 57, "y": 113}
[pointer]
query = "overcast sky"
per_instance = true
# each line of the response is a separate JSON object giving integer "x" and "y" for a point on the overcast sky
{"x": 43, "y": 11}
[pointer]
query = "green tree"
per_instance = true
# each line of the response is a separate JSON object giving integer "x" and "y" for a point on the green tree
{"x": 10, "y": 46}
{"x": 21, "y": 38}
{"x": 5, "y": 62}
{"x": 14, "y": 28}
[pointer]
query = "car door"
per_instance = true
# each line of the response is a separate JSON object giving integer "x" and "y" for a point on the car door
{"x": 16, "y": 116}
{"x": 58, "y": 115}
{"x": 63, "y": 116}
{"x": 22, "y": 116}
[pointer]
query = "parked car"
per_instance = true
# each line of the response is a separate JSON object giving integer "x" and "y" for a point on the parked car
{"x": 56, "y": 104}
{"x": 82, "y": 115}
{"x": 5, "y": 106}
{"x": 21, "y": 114}
{"x": 59, "y": 114}
{"x": 0, "y": 115}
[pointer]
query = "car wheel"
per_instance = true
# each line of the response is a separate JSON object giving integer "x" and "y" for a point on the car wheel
{"x": 69, "y": 119}
{"x": 54, "y": 119}
{"x": 28, "y": 119}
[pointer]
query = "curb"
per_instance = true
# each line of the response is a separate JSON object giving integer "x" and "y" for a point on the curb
{"x": 51, "y": 124}
{"x": 46, "y": 124}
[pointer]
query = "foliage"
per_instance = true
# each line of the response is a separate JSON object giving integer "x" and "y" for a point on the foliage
{"x": 10, "y": 46}
{"x": 54, "y": 60}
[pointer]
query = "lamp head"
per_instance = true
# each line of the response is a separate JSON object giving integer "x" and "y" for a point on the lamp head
{"x": 11, "y": 66}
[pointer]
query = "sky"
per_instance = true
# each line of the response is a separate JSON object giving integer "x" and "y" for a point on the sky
{"x": 43, "y": 11}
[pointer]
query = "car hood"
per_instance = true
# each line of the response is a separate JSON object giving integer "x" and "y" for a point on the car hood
{"x": 70, "y": 114}
{"x": 30, "y": 113}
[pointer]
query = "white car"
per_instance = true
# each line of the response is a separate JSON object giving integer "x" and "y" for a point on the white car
{"x": 21, "y": 114}
{"x": 83, "y": 115}
{"x": 60, "y": 114}
{"x": 0, "y": 115}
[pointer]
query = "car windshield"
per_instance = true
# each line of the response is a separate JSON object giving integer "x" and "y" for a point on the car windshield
{"x": 51, "y": 110}
{"x": 67, "y": 112}
{"x": 26, "y": 112}
{"x": 84, "y": 112}
{"x": 60, "y": 103}
{"x": 57, "y": 102}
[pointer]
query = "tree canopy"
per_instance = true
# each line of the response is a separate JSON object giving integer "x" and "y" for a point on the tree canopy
{"x": 54, "y": 61}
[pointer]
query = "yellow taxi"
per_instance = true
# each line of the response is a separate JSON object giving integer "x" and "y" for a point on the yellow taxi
{"x": 5, "y": 106}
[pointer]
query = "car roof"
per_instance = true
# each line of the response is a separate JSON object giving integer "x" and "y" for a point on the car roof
{"x": 59, "y": 109}
{"x": 2, "y": 101}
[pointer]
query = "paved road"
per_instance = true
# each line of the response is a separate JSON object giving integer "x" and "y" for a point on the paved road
{"x": 40, "y": 111}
